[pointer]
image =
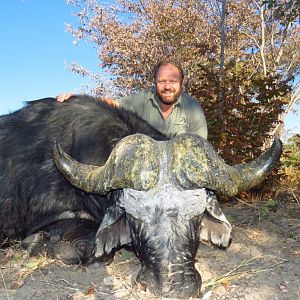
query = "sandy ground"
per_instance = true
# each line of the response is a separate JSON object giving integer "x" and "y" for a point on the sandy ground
{"x": 262, "y": 263}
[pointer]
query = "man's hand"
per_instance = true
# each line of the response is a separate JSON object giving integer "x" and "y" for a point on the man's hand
{"x": 111, "y": 102}
{"x": 64, "y": 97}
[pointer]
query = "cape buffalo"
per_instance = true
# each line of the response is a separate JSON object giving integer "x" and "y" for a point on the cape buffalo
{"x": 121, "y": 183}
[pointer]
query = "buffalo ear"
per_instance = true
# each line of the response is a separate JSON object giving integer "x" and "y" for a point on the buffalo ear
{"x": 215, "y": 228}
{"x": 113, "y": 232}
{"x": 215, "y": 231}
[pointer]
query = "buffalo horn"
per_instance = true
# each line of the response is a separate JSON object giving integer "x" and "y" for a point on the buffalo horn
{"x": 132, "y": 156}
{"x": 195, "y": 164}
{"x": 91, "y": 179}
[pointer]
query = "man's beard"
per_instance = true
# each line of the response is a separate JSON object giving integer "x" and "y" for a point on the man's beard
{"x": 168, "y": 101}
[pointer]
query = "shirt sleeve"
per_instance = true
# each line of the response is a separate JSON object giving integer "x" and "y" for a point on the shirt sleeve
{"x": 133, "y": 102}
{"x": 126, "y": 102}
{"x": 197, "y": 121}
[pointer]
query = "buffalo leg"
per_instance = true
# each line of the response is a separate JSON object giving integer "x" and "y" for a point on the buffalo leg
{"x": 72, "y": 241}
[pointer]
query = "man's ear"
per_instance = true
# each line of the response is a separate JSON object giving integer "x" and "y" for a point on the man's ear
{"x": 113, "y": 232}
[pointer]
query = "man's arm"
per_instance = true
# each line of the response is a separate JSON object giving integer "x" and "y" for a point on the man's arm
{"x": 201, "y": 130}
{"x": 111, "y": 102}
{"x": 197, "y": 121}
{"x": 134, "y": 102}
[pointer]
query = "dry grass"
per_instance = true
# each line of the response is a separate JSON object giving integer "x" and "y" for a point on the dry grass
{"x": 245, "y": 269}
{"x": 16, "y": 266}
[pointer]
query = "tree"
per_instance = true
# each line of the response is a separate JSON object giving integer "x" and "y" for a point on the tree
{"x": 284, "y": 11}
{"x": 240, "y": 64}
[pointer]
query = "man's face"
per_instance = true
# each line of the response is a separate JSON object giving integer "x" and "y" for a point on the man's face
{"x": 168, "y": 84}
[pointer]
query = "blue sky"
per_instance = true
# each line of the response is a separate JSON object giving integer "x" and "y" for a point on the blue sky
{"x": 36, "y": 50}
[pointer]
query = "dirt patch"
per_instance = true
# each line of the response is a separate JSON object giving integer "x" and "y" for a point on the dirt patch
{"x": 262, "y": 263}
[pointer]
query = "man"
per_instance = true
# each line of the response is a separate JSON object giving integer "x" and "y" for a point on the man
{"x": 167, "y": 108}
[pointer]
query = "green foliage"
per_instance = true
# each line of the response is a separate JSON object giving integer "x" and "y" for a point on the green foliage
{"x": 291, "y": 157}
{"x": 267, "y": 207}
{"x": 270, "y": 203}
{"x": 289, "y": 171}
{"x": 229, "y": 218}
{"x": 126, "y": 255}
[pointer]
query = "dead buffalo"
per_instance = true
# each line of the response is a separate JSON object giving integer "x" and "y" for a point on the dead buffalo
{"x": 121, "y": 183}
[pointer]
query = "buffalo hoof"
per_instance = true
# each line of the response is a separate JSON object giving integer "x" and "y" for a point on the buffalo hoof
{"x": 35, "y": 244}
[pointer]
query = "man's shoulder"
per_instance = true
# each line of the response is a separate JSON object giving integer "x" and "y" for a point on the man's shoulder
{"x": 190, "y": 102}
{"x": 143, "y": 93}
{"x": 139, "y": 96}
{"x": 137, "y": 101}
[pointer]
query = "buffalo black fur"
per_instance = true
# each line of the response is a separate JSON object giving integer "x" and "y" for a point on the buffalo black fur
{"x": 34, "y": 196}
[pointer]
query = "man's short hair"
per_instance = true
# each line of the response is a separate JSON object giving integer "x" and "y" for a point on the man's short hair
{"x": 168, "y": 61}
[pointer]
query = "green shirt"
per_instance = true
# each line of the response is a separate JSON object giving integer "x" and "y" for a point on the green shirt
{"x": 187, "y": 115}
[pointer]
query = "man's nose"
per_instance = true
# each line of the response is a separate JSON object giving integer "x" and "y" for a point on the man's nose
{"x": 167, "y": 85}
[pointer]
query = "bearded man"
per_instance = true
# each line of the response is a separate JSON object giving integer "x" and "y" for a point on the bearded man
{"x": 166, "y": 107}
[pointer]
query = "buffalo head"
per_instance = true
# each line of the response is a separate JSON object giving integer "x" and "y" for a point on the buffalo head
{"x": 165, "y": 203}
